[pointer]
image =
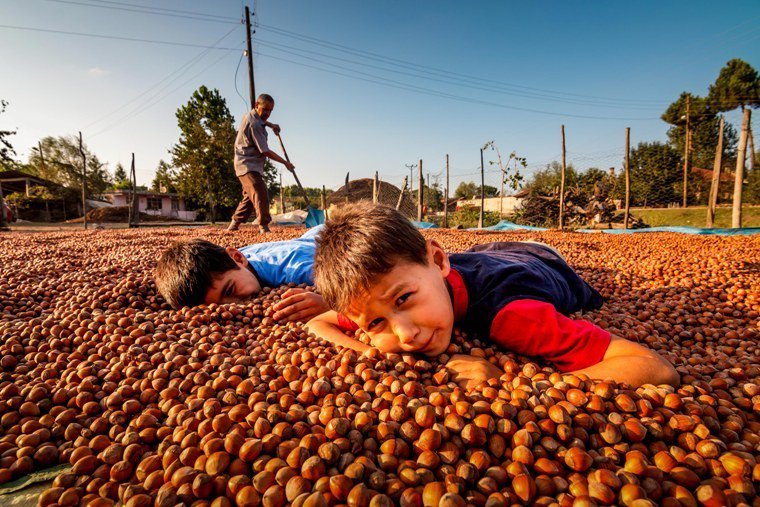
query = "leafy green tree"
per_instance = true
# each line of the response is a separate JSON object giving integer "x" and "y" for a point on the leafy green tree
{"x": 466, "y": 190}
{"x": 121, "y": 181}
{"x": 6, "y": 149}
{"x": 63, "y": 165}
{"x": 547, "y": 181}
{"x": 204, "y": 153}
{"x": 737, "y": 86}
{"x": 164, "y": 177}
{"x": 655, "y": 173}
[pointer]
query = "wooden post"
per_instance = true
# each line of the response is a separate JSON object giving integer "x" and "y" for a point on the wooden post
{"x": 482, "y": 191}
{"x": 401, "y": 194}
{"x": 713, "y": 200}
{"x": 686, "y": 153}
{"x": 3, "y": 223}
{"x": 84, "y": 181}
{"x": 374, "y": 189}
{"x": 324, "y": 198}
{"x": 446, "y": 196}
{"x": 251, "y": 85}
{"x": 131, "y": 195}
{"x": 44, "y": 168}
{"x": 282, "y": 196}
{"x": 562, "y": 183}
{"x": 348, "y": 189}
{"x": 429, "y": 193}
{"x": 627, "y": 176}
{"x": 736, "y": 216}
{"x": 419, "y": 194}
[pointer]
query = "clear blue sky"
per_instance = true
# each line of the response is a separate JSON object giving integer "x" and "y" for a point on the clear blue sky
{"x": 370, "y": 86}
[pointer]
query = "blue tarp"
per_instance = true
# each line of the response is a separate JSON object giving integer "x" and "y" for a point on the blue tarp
{"x": 424, "y": 225}
{"x": 682, "y": 230}
{"x": 506, "y": 225}
{"x": 315, "y": 217}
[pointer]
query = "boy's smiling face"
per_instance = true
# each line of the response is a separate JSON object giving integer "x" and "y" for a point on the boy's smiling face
{"x": 233, "y": 285}
{"x": 409, "y": 308}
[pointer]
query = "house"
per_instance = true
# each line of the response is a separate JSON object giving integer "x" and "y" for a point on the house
{"x": 154, "y": 203}
{"x": 505, "y": 205}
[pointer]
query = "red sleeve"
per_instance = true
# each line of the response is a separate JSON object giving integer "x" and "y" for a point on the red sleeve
{"x": 346, "y": 324}
{"x": 536, "y": 328}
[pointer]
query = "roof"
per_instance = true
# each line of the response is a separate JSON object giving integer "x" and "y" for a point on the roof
{"x": 13, "y": 174}
{"x": 707, "y": 174}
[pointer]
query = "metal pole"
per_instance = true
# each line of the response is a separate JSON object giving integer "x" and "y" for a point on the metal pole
{"x": 84, "y": 181}
{"x": 736, "y": 216}
{"x": 627, "y": 175}
{"x": 714, "y": 188}
{"x": 446, "y": 197}
{"x": 482, "y": 191}
{"x": 562, "y": 183}
{"x": 251, "y": 85}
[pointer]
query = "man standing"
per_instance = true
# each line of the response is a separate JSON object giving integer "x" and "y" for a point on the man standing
{"x": 251, "y": 152}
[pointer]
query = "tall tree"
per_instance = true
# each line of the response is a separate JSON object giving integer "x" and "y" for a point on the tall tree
{"x": 164, "y": 178}
{"x": 655, "y": 174}
{"x": 62, "y": 164}
{"x": 119, "y": 174}
{"x": 6, "y": 149}
{"x": 466, "y": 190}
{"x": 547, "y": 180}
{"x": 737, "y": 86}
{"x": 203, "y": 155}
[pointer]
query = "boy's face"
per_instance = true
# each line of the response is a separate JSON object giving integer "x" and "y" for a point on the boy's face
{"x": 235, "y": 284}
{"x": 409, "y": 308}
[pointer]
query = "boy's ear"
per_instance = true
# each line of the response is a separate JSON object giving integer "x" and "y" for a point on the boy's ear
{"x": 438, "y": 257}
{"x": 237, "y": 256}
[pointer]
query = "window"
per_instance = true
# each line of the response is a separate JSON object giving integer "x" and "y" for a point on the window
{"x": 175, "y": 204}
{"x": 154, "y": 203}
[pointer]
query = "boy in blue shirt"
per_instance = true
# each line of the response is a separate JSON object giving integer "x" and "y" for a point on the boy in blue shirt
{"x": 196, "y": 272}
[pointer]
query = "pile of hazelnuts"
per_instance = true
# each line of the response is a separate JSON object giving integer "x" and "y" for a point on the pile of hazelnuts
{"x": 224, "y": 406}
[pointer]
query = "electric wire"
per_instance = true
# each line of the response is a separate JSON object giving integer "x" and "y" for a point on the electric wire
{"x": 141, "y": 11}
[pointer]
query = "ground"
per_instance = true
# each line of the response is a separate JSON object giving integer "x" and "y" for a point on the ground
{"x": 222, "y": 403}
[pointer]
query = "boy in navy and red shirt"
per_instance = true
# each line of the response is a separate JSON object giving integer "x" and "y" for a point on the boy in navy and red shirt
{"x": 380, "y": 275}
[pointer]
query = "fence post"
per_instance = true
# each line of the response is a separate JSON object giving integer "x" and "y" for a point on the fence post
{"x": 348, "y": 189}
{"x": 627, "y": 176}
{"x": 419, "y": 194}
{"x": 324, "y": 198}
{"x": 482, "y": 191}
{"x": 736, "y": 216}
{"x": 401, "y": 194}
{"x": 562, "y": 184}
{"x": 374, "y": 189}
{"x": 714, "y": 187}
{"x": 686, "y": 153}
{"x": 446, "y": 196}
{"x": 84, "y": 181}
{"x": 3, "y": 223}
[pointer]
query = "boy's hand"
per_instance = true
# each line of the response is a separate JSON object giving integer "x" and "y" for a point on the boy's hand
{"x": 470, "y": 371}
{"x": 299, "y": 305}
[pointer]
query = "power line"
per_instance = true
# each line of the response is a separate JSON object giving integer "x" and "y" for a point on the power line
{"x": 149, "y": 9}
{"x": 115, "y": 37}
{"x": 145, "y": 10}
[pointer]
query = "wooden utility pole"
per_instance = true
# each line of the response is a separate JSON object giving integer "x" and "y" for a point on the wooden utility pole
{"x": 482, "y": 191}
{"x": 715, "y": 186}
{"x": 348, "y": 189}
{"x": 562, "y": 183}
{"x": 375, "y": 189}
{"x": 419, "y": 193}
{"x": 401, "y": 194}
{"x": 627, "y": 175}
{"x": 736, "y": 216}
{"x": 249, "y": 53}
{"x": 686, "y": 152}
{"x": 446, "y": 196}
{"x": 84, "y": 181}
{"x": 411, "y": 177}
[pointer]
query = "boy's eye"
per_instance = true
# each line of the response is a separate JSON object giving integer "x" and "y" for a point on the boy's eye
{"x": 374, "y": 323}
{"x": 402, "y": 299}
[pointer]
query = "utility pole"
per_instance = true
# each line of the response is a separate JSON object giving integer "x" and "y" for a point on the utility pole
{"x": 419, "y": 194}
{"x": 627, "y": 175}
{"x": 411, "y": 177}
{"x": 446, "y": 196}
{"x": 715, "y": 178}
{"x": 482, "y": 191}
{"x": 249, "y": 53}
{"x": 84, "y": 181}
{"x": 562, "y": 184}
{"x": 736, "y": 215}
{"x": 686, "y": 151}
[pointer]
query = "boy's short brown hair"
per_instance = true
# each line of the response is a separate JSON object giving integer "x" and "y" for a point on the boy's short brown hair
{"x": 360, "y": 242}
{"x": 186, "y": 270}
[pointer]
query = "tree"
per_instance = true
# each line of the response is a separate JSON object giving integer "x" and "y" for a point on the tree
{"x": 62, "y": 164}
{"x": 656, "y": 176}
{"x": 466, "y": 190}
{"x": 737, "y": 85}
{"x": 120, "y": 178}
{"x": 204, "y": 153}
{"x": 6, "y": 150}
{"x": 547, "y": 181}
{"x": 164, "y": 177}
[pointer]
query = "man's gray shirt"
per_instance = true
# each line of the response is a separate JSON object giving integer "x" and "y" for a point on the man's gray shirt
{"x": 250, "y": 144}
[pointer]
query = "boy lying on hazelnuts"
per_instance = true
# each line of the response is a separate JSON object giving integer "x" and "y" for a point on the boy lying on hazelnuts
{"x": 380, "y": 275}
{"x": 197, "y": 272}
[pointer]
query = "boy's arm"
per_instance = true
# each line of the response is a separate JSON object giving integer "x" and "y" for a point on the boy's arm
{"x": 629, "y": 362}
{"x": 326, "y": 326}
{"x": 535, "y": 328}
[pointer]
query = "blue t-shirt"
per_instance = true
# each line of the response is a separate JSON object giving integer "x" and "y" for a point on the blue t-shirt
{"x": 282, "y": 262}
